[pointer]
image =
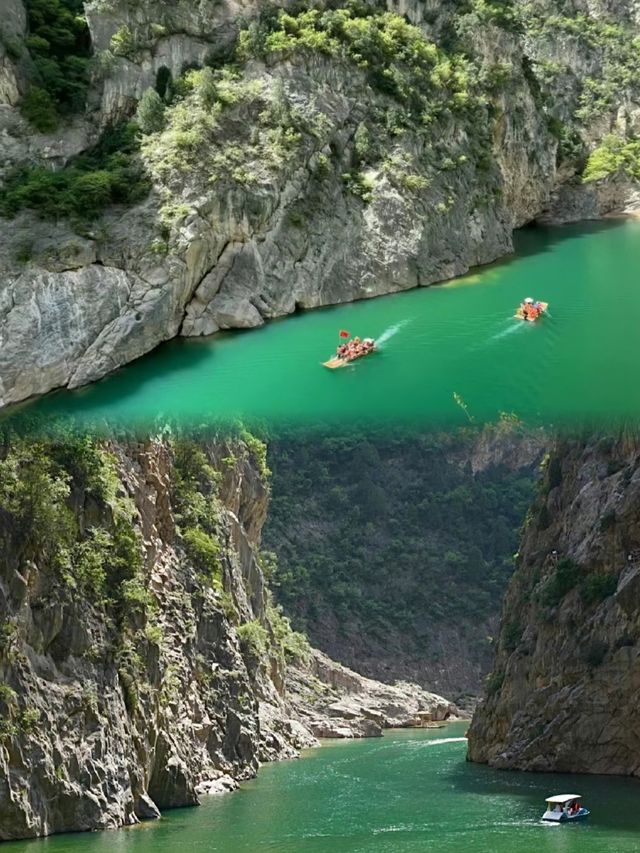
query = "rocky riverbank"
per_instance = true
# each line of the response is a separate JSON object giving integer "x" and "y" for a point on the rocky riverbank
{"x": 333, "y": 701}
{"x": 305, "y": 168}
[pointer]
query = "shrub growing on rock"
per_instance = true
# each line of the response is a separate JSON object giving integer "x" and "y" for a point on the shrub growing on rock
{"x": 203, "y": 549}
{"x": 565, "y": 578}
{"x": 494, "y": 682}
{"x": 150, "y": 112}
{"x": 597, "y": 587}
{"x": 614, "y": 156}
{"x": 39, "y": 108}
{"x": 110, "y": 173}
{"x": 254, "y": 641}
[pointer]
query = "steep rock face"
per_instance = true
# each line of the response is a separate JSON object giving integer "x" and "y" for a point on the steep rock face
{"x": 142, "y": 661}
{"x": 251, "y": 243}
{"x": 14, "y": 26}
{"x": 115, "y": 707}
{"x": 563, "y": 695}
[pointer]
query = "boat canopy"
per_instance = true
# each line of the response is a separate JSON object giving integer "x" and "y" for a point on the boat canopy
{"x": 563, "y": 798}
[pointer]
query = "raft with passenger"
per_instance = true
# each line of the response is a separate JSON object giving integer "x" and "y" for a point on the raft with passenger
{"x": 350, "y": 351}
{"x": 531, "y": 310}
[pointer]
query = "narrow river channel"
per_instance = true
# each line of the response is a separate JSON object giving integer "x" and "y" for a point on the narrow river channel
{"x": 408, "y": 792}
{"x": 458, "y": 341}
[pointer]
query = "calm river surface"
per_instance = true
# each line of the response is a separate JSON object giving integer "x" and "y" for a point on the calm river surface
{"x": 410, "y": 791}
{"x": 580, "y": 364}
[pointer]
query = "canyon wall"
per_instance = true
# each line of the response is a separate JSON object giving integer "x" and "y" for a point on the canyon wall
{"x": 563, "y": 693}
{"x": 125, "y": 682}
{"x": 308, "y": 168}
{"x": 143, "y": 663}
{"x": 393, "y": 554}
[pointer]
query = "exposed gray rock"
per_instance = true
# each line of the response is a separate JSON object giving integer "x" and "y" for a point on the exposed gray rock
{"x": 336, "y": 702}
{"x": 105, "y": 748}
{"x": 233, "y": 312}
{"x": 9, "y": 89}
{"x": 575, "y": 201}
{"x": 564, "y": 693}
{"x": 112, "y": 712}
{"x": 247, "y": 252}
{"x": 66, "y": 313}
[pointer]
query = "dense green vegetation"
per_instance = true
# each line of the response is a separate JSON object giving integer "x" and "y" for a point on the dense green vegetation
{"x": 59, "y": 48}
{"x": 598, "y": 586}
{"x": 566, "y": 575}
{"x": 190, "y": 138}
{"x": 593, "y": 586}
{"x": 96, "y": 564}
{"x": 197, "y": 509}
{"x": 419, "y": 87}
{"x": 110, "y": 173}
{"x": 612, "y": 157}
{"x": 392, "y": 538}
{"x": 222, "y": 124}
{"x": 37, "y": 482}
{"x": 396, "y": 57}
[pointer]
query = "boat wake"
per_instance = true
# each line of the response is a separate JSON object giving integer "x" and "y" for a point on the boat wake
{"x": 390, "y": 332}
{"x": 437, "y": 741}
{"x": 511, "y": 328}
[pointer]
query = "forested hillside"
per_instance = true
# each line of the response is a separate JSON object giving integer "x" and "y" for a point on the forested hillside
{"x": 394, "y": 554}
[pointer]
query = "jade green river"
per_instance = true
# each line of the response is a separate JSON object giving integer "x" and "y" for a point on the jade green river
{"x": 410, "y": 791}
{"x": 442, "y": 349}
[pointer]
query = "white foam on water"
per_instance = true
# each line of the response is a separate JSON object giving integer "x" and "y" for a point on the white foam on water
{"x": 437, "y": 741}
{"x": 390, "y": 332}
{"x": 513, "y": 326}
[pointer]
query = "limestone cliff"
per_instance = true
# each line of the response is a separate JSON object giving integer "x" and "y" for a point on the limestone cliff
{"x": 309, "y": 167}
{"x": 564, "y": 692}
{"x": 126, "y": 682}
{"x": 142, "y": 661}
{"x": 336, "y": 702}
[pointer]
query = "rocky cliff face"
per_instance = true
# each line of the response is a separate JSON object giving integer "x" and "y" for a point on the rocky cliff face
{"x": 563, "y": 695}
{"x": 122, "y": 698}
{"x": 336, "y": 702}
{"x": 142, "y": 662}
{"x": 307, "y": 177}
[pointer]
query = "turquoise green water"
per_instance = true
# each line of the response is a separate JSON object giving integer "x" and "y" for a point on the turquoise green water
{"x": 405, "y": 793}
{"x": 579, "y": 364}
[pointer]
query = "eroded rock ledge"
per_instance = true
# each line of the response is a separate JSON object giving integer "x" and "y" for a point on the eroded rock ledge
{"x": 334, "y": 701}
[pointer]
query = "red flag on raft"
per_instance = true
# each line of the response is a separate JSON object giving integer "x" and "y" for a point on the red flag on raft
{"x": 344, "y": 333}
